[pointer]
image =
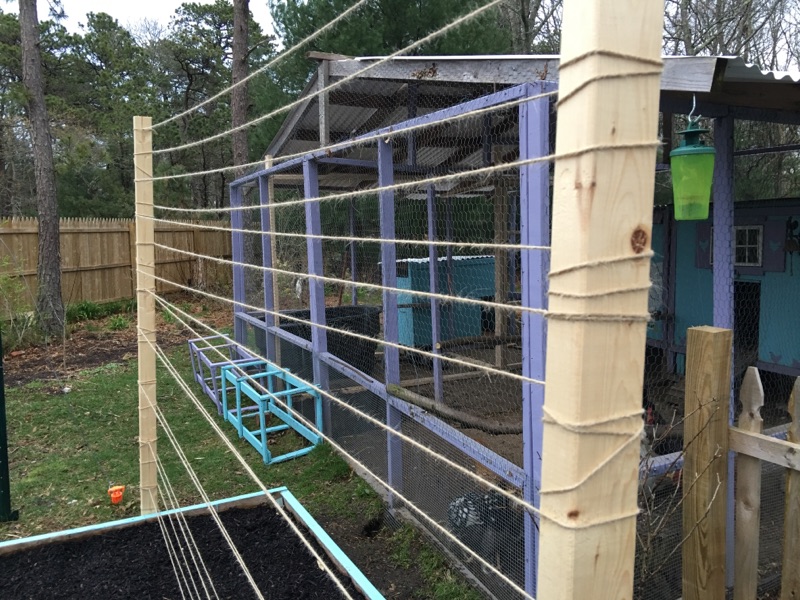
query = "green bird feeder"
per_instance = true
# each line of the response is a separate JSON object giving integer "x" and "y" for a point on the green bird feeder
{"x": 692, "y": 166}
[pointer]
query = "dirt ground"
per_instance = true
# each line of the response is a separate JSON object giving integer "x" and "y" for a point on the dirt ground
{"x": 90, "y": 344}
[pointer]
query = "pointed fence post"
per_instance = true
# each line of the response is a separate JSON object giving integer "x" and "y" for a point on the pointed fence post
{"x": 748, "y": 492}
{"x": 705, "y": 465}
{"x": 790, "y": 581}
{"x": 599, "y": 281}
{"x": 146, "y": 311}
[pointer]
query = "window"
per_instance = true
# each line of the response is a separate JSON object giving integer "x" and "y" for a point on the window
{"x": 748, "y": 244}
{"x": 748, "y": 241}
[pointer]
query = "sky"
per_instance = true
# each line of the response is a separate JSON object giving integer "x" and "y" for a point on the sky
{"x": 129, "y": 12}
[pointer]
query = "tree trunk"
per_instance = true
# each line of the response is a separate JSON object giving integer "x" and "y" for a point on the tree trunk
{"x": 241, "y": 17}
{"x": 49, "y": 305}
{"x": 239, "y": 99}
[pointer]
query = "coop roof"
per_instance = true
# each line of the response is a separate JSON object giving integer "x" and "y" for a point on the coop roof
{"x": 385, "y": 92}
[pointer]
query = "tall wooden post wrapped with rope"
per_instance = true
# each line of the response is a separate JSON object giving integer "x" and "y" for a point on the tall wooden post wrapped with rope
{"x": 146, "y": 311}
{"x": 600, "y": 275}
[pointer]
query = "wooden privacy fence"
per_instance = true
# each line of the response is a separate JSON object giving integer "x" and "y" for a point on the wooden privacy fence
{"x": 98, "y": 258}
{"x": 707, "y": 440}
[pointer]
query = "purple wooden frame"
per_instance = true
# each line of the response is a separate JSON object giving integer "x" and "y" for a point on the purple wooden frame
{"x": 199, "y": 350}
{"x": 723, "y": 275}
{"x": 391, "y": 333}
{"x": 269, "y": 276}
{"x": 534, "y": 142}
{"x": 316, "y": 288}
{"x": 237, "y": 225}
{"x": 436, "y": 321}
{"x": 534, "y": 230}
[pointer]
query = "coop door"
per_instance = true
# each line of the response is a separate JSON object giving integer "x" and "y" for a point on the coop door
{"x": 747, "y": 310}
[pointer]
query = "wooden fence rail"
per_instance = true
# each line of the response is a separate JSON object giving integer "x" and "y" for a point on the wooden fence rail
{"x": 98, "y": 259}
{"x": 707, "y": 439}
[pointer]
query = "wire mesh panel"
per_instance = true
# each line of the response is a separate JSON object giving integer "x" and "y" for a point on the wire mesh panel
{"x": 397, "y": 286}
{"x": 401, "y": 268}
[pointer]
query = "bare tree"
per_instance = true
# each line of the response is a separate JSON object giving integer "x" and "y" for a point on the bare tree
{"x": 535, "y": 25}
{"x": 49, "y": 304}
{"x": 759, "y": 31}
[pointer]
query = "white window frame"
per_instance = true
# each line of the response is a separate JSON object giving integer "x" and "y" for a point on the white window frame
{"x": 759, "y": 246}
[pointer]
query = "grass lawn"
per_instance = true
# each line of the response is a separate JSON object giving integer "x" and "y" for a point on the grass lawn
{"x": 66, "y": 448}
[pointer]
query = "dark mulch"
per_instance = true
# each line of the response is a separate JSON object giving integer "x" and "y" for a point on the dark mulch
{"x": 134, "y": 563}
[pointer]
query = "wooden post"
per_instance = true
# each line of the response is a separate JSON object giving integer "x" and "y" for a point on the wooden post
{"x": 602, "y": 213}
{"x": 146, "y": 311}
{"x": 790, "y": 580}
{"x": 748, "y": 492}
{"x": 132, "y": 243}
{"x": 501, "y": 278}
{"x": 200, "y": 265}
{"x": 273, "y": 244}
{"x": 323, "y": 74}
{"x": 705, "y": 468}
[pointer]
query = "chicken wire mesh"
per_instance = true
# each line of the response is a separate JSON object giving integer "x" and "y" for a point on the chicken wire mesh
{"x": 411, "y": 265}
{"x": 416, "y": 287}
{"x": 684, "y": 294}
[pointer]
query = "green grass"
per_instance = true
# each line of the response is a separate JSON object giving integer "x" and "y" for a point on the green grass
{"x": 66, "y": 448}
{"x": 87, "y": 310}
{"x": 408, "y": 548}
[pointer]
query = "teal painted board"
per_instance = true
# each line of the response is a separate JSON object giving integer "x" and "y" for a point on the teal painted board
{"x": 471, "y": 277}
{"x": 655, "y": 328}
{"x": 779, "y": 321}
{"x": 693, "y": 286}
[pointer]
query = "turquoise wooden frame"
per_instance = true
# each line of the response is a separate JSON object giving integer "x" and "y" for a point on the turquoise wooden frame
{"x": 254, "y": 383}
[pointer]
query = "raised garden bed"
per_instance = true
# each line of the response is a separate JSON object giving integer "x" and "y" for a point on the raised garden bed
{"x": 129, "y": 558}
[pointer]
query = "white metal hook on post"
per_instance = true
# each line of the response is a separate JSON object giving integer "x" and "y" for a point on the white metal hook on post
{"x": 694, "y": 106}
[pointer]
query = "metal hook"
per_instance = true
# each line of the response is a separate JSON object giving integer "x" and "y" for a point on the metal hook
{"x": 694, "y": 105}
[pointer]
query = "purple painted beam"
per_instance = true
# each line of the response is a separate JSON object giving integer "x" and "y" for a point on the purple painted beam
{"x": 411, "y": 138}
{"x": 316, "y": 288}
{"x": 436, "y": 321}
{"x": 448, "y": 235}
{"x": 390, "y": 325}
{"x": 269, "y": 276}
{"x": 723, "y": 273}
{"x": 534, "y": 141}
{"x": 671, "y": 261}
{"x": 237, "y": 245}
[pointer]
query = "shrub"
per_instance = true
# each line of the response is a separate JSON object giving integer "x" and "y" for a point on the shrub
{"x": 118, "y": 323}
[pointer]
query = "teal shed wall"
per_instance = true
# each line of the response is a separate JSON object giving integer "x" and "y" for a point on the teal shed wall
{"x": 779, "y": 317}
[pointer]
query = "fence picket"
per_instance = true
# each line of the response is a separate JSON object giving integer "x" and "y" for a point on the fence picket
{"x": 790, "y": 579}
{"x": 748, "y": 492}
{"x": 98, "y": 258}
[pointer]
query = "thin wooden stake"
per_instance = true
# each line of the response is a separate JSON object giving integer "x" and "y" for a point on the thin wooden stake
{"x": 790, "y": 580}
{"x": 273, "y": 241}
{"x": 748, "y": 492}
{"x": 146, "y": 312}
{"x": 705, "y": 469}
{"x": 602, "y": 212}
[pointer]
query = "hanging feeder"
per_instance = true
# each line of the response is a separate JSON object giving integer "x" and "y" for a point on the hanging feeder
{"x": 692, "y": 173}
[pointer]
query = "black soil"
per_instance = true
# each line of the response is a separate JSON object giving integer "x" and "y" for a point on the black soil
{"x": 133, "y": 563}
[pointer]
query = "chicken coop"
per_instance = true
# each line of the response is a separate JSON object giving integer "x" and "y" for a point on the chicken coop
{"x": 398, "y": 236}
